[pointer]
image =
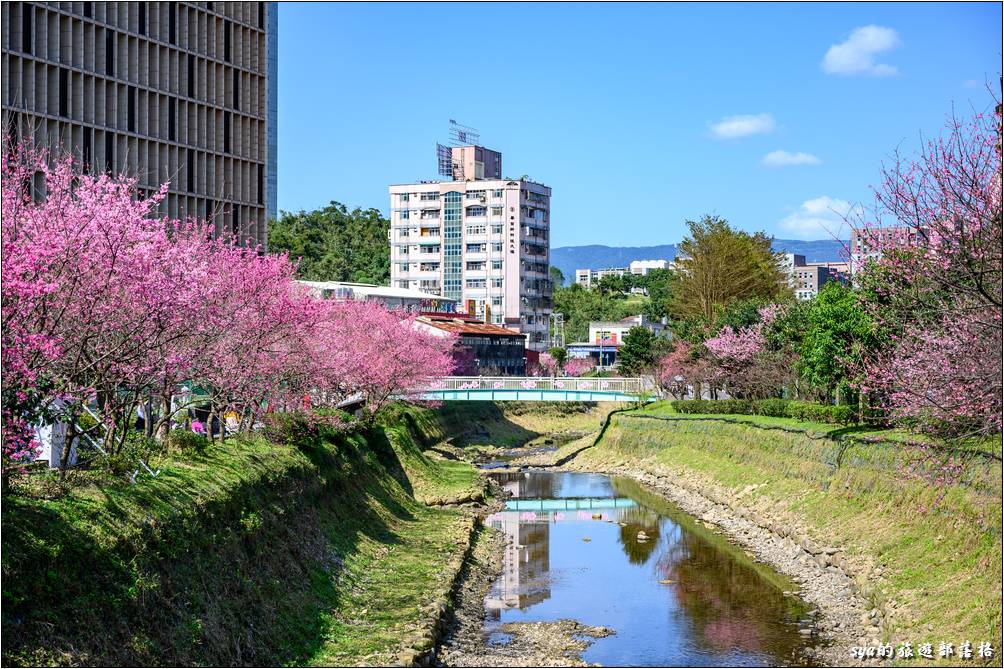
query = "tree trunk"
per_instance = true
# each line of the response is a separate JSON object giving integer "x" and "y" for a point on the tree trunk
{"x": 64, "y": 453}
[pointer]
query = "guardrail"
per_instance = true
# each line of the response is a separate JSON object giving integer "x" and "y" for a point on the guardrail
{"x": 626, "y": 386}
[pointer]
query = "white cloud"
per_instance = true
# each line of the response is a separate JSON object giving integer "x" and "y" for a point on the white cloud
{"x": 820, "y": 218}
{"x": 857, "y": 54}
{"x": 783, "y": 158}
{"x": 732, "y": 127}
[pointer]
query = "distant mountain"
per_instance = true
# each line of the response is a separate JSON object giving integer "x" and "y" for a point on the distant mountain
{"x": 596, "y": 256}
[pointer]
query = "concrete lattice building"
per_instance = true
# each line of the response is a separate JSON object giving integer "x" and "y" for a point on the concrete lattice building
{"x": 483, "y": 240}
{"x": 179, "y": 92}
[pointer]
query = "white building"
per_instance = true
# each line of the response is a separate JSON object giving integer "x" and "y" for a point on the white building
{"x": 393, "y": 298}
{"x": 483, "y": 240}
{"x": 587, "y": 278}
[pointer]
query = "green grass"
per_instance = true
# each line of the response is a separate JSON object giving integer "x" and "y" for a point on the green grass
{"x": 939, "y": 547}
{"x": 253, "y": 553}
{"x": 828, "y": 430}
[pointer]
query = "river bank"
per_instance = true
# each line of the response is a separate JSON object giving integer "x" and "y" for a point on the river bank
{"x": 327, "y": 548}
{"x": 883, "y": 554}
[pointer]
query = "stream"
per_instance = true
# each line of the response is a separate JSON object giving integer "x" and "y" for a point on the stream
{"x": 605, "y": 552}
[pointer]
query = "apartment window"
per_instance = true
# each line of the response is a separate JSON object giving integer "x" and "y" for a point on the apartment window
{"x": 404, "y": 215}
{"x": 497, "y": 247}
{"x": 403, "y": 250}
{"x": 475, "y": 194}
{"x": 475, "y": 283}
{"x": 190, "y": 175}
{"x": 429, "y": 267}
{"x": 261, "y": 14}
{"x": 131, "y": 109}
{"x": 475, "y": 248}
{"x": 142, "y": 18}
{"x": 429, "y": 248}
{"x": 496, "y": 229}
{"x": 496, "y": 301}
{"x": 64, "y": 92}
{"x": 476, "y": 211}
{"x": 227, "y": 30}
{"x": 235, "y": 225}
{"x": 496, "y": 211}
{"x": 88, "y": 9}
{"x": 405, "y": 197}
{"x": 476, "y": 266}
{"x": 496, "y": 283}
{"x": 497, "y": 192}
{"x": 429, "y": 196}
{"x": 172, "y": 23}
{"x": 403, "y": 233}
{"x": 429, "y": 232}
{"x": 430, "y": 213}
{"x": 261, "y": 184}
{"x": 226, "y": 132}
{"x": 237, "y": 90}
{"x": 476, "y": 229}
{"x": 191, "y": 76}
{"x": 496, "y": 264}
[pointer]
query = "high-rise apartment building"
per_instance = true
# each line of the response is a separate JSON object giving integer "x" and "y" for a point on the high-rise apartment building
{"x": 480, "y": 239}
{"x": 178, "y": 92}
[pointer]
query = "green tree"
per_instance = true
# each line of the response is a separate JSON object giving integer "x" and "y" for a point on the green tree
{"x": 638, "y": 352}
{"x": 660, "y": 284}
{"x": 833, "y": 335}
{"x": 559, "y": 354}
{"x": 612, "y": 284}
{"x": 557, "y": 277}
{"x": 335, "y": 244}
{"x": 580, "y": 306}
{"x": 719, "y": 265}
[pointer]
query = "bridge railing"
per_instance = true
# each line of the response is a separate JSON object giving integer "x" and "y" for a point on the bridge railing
{"x": 627, "y": 386}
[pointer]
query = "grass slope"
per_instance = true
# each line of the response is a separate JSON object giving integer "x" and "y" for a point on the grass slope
{"x": 930, "y": 553}
{"x": 253, "y": 553}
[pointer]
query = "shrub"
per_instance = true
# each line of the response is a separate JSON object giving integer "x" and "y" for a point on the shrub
{"x": 301, "y": 428}
{"x": 772, "y": 407}
{"x": 137, "y": 447}
{"x": 778, "y": 408}
{"x": 186, "y": 440}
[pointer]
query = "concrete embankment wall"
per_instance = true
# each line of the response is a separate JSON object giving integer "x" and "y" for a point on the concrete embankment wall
{"x": 917, "y": 528}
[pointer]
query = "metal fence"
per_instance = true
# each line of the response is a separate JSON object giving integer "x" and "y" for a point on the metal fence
{"x": 627, "y": 386}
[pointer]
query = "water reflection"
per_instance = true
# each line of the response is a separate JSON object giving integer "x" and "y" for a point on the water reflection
{"x": 606, "y": 552}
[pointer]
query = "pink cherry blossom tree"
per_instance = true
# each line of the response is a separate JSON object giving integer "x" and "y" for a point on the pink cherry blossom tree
{"x": 579, "y": 366}
{"x": 107, "y": 308}
{"x": 937, "y": 288}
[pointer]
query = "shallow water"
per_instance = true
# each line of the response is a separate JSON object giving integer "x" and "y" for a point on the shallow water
{"x": 606, "y": 552}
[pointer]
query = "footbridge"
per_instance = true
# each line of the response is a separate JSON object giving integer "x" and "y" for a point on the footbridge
{"x": 538, "y": 389}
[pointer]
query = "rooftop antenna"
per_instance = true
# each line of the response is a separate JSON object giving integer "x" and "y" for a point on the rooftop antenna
{"x": 460, "y": 135}
{"x": 463, "y": 135}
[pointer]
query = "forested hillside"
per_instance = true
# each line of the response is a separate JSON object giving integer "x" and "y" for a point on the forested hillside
{"x": 335, "y": 244}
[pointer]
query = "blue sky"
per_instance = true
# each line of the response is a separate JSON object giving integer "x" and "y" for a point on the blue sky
{"x": 639, "y": 116}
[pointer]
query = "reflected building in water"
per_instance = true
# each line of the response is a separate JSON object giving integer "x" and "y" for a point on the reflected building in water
{"x": 524, "y": 580}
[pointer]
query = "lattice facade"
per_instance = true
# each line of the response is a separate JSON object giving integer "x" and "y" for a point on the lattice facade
{"x": 172, "y": 92}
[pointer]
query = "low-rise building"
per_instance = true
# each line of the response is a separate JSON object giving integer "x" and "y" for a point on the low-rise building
{"x": 483, "y": 349}
{"x": 870, "y": 243}
{"x": 606, "y": 338}
{"x": 407, "y": 299}
{"x": 588, "y": 278}
{"x": 805, "y": 278}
